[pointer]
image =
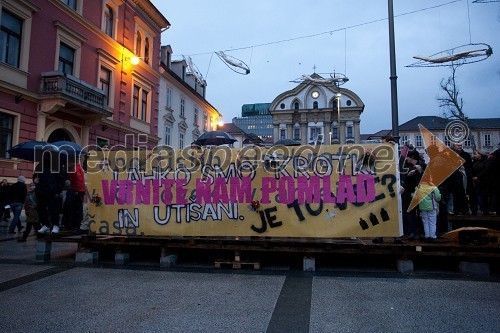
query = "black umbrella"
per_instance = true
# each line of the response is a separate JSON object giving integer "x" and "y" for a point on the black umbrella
{"x": 286, "y": 142}
{"x": 70, "y": 147}
{"x": 215, "y": 138}
{"x": 33, "y": 150}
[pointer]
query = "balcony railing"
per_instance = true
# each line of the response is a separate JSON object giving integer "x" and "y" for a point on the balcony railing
{"x": 74, "y": 90}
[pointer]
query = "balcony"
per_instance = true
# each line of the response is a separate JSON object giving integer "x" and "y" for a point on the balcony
{"x": 74, "y": 94}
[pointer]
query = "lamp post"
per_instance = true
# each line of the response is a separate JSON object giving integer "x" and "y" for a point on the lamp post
{"x": 338, "y": 95}
{"x": 330, "y": 138}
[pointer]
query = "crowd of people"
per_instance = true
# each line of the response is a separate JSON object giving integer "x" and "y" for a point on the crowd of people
{"x": 473, "y": 189}
{"x": 52, "y": 198}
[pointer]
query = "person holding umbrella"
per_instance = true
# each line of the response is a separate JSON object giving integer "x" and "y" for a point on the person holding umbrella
{"x": 49, "y": 186}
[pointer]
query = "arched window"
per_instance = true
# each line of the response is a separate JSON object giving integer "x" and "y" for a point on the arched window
{"x": 108, "y": 21}
{"x": 138, "y": 44}
{"x": 315, "y": 105}
{"x": 296, "y": 105}
{"x": 146, "y": 51}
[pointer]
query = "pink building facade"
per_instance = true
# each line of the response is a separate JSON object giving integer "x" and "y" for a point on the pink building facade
{"x": 78, "y": 70}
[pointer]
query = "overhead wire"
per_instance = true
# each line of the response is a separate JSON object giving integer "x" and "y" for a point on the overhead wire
{"x": 330, "y": 31}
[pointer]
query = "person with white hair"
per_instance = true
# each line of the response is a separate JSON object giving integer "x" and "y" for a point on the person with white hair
{"x": 17, "y": 194}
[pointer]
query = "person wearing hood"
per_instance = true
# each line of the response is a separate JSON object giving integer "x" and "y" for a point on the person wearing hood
{"x": 17, "y": 194}
{"x": 429, "y": 197}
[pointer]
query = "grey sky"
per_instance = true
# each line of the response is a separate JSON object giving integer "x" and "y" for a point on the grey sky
{"x": 200, "y": 27}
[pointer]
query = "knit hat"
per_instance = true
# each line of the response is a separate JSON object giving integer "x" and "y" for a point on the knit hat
{"x": 21, "y": 179}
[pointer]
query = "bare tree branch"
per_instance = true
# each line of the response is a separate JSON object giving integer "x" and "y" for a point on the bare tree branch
{"x": 451, "y": 102}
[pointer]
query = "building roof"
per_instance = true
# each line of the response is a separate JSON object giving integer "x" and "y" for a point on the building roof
{"x": 378, "y": 135}
{"x": 429, "y": 122}
{"x": 439, "y": 123}
{"x": 485, "y": 123}
{"x": 252, "y": 138}
{"x": 255, "y": 109}
{"x": 231, "y": 129}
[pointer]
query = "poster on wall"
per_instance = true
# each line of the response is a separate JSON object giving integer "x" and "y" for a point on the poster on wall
{"x": 307, "y": 191}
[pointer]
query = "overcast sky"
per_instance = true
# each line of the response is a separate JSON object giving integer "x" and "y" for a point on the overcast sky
{"x": 356, "y": 48}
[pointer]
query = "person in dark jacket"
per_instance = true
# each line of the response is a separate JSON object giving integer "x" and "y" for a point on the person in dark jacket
{"x": 481, "y": 181}
{"x": 493, "y": 168}
{"x": 462, "y": 203}
{"x": 17, "y": 194}
{"x": 30, "y": 204}
{"x": 49, "y": 184}
{"x": 414, "y": 167}
{"x": 4, "y": 201}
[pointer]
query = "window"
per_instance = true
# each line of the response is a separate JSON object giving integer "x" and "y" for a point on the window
{"x": 146, "y": 51}
{"x": 6, "y": 133}
{"x": 315, "y": 132}
{"x": 433, "y": 140}
{"x": 140, "y": 103}
{"x": 135, "y": 101}
{"x": 296, "y": 133}
{"x": 183, "y": 104}
{"x": 447, "y": 140}
{"x": 69, "y": 50}
{"x": 296, "y": 105}
{"x": 169, "y": 98}
{"x": 138, "y": 44}
{"x": 15, "y": 40}
{"x": 418, "y": 141}
{"x": 105, "y": 81}
{"x": 66, "y": 59}
{"x": 205, "y": 121}
{"x": 335, "y": 132}
{"x": 315, "y": 105}
{"x": 404, "y": 139}
{"x": 196, "y": 117}
{"x": 467, "y": 142}
{"x": 282, "y": 134}
{"x": 144, "y": 106}
{"x": 168, "y": 134}
{"x": 70, "y": 3}
{"x": 487, "y": 140}
{"x": 181, "y": 140}
{"x": 108, "y": 21}
{"x": 10, "y": 39}
{"x": 143, "y": 40}
{"x": 349, "y": 132}
{"x": 100, "y": 142}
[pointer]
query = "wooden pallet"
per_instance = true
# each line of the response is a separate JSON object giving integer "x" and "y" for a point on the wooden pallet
{"x": 236, "y": 264}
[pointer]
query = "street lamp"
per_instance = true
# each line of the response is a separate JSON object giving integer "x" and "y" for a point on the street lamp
{"x": 220, "y": 123}
{"x": 330, "y": 137}
{"x": 338, "y": 95}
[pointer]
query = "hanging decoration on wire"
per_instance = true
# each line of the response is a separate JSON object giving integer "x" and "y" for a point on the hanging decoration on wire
{"x": 461, "y": 55}
{"x": 335, "y": 79}
{"x": 195, "y": 71}
{"x": 233, "y": 63}
{"x": 485, "y": 1}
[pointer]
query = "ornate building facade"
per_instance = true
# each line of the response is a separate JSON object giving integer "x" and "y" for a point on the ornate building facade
{"x": 184, "y": 113}
{"x": 315, "y": 113}
{"x": 67, "y": 72}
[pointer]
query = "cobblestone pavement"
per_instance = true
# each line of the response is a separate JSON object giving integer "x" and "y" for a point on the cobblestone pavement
{"x": 60, "y": 296}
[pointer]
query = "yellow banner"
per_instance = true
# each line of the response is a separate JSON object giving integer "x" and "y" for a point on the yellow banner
{"x": 321, "y": 191}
